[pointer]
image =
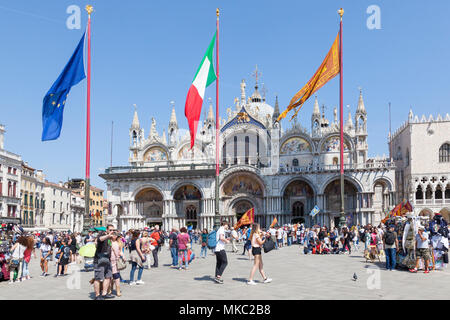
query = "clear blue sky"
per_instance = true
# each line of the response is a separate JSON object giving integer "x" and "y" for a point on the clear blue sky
{"x": 147, "y": 52}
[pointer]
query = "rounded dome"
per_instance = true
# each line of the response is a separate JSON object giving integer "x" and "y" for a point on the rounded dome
{"x": 261, "y": 109}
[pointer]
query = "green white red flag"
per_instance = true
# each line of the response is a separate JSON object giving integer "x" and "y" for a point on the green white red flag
{"x": 203, "y": 78}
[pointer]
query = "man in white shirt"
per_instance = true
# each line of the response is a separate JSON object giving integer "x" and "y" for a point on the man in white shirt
{"x": 234, "y": 239}
{"x": 423, "y": 250}
{"x": 221, "y": 255}
{"x": 280, "y": 233}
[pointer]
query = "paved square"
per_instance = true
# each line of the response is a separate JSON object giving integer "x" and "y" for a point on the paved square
{"x": 295, "y": 276}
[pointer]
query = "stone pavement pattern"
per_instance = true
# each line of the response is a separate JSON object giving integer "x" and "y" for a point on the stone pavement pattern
{"x": 295, "y": 276}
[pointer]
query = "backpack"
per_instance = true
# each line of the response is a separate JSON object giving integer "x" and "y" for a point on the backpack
{"x": 161, "y": 239}
{"x": 212, "y": 241}
{"x": 66, "y": 252}
{"x": 390, "y": 238}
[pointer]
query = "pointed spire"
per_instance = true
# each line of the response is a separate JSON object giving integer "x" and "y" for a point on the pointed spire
{"x": 173, "y": 117}
{"x": 135, "y": 123}
{"x": 163, "y": 139}
{"x": 316, "y": 110}
{"x": 210, "y": 112}
{"x": 276, "y": 112}
{"x": 361, "y": 108}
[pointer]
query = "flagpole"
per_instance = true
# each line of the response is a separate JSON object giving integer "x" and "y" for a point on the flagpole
{"x": 342, "y": 219}
{"x": 87, "y": 219}
{"x": 216, "y": 216}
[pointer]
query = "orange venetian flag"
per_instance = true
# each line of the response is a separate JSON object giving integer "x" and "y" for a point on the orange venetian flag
{"x": 274, "y": 222}
{"x": 329, "y": 68}
{"x": 400, "y": 210}
{"x": 247, "y": 218}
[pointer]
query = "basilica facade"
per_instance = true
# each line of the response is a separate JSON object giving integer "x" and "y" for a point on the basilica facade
{"x": 281, "y": 172}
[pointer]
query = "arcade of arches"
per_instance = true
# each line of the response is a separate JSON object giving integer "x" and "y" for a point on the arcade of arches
{"x": 243, "y": 190}
{"x": 150, "y": 207}
{"x": 432, "y": 195}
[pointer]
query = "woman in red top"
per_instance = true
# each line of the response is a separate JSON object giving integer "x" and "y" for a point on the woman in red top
{"x": 183, "y": 240}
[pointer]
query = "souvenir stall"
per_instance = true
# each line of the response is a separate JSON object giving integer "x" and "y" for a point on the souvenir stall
{"x": 6, "y": 235}
{"x": 406, "y": 249}
{"x": 407, "y": 228}
{"x": 438, "y": 228}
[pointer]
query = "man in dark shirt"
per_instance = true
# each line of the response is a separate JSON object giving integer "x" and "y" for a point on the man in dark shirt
{"x": 322, "y": 234}
{"x": 173, "y": 244}
{"x": 102, "y": 263}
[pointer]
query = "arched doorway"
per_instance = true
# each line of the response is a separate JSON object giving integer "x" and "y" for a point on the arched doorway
{"x": 188, "y": 205}
{"x": 381, "y": 198}
{"x": 240, "y": 192}
{"x": 332, "y": 195}
{"x": 149, "y": 203}
{"x": 298, "y": 212}
{"x": 298, "y": 199}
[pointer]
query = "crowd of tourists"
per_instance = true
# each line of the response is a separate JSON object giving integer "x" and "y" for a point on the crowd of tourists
{"x": 114, "y": 250}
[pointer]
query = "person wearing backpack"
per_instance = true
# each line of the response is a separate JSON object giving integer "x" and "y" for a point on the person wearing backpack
{"x": 64, "y": 258}
{"x": 204, "y": 250}
{"x": 390, "y": 241}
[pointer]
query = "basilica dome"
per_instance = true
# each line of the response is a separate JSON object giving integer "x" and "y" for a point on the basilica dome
{"x": 261, "y": 109}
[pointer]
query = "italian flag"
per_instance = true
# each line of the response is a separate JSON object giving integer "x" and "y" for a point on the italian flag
{"x": 204, "y": 77}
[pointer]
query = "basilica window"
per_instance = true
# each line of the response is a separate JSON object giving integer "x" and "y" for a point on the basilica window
{"x": 247, "y": 148}
{"x": 235, "y": 149}
{"x": 295, "y": 162}
{"x": 224, "y": 153}
{"x": 191, "y": 213}
{"x": 407, "y": 157}
{"x": 257, "y": 143}
{"x": 444, "y": 153}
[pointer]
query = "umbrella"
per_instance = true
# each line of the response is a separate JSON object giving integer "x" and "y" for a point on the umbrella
{"x": 88, "y": 250}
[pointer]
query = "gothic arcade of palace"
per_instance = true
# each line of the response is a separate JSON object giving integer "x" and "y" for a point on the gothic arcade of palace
{"x": 280, "y": 172}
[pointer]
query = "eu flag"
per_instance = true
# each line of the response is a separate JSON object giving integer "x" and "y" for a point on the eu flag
{"x": 55, "y": 99}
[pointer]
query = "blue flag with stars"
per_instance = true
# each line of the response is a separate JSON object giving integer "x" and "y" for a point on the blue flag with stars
{"x": 55, "y": 99}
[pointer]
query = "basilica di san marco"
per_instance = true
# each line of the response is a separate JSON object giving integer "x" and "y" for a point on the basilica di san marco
{"x": 281, "y": 172}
